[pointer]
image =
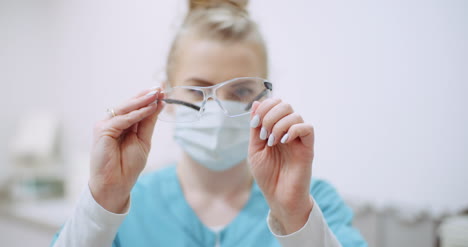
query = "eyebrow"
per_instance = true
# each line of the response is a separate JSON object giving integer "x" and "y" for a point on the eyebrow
{"x": 200, "y": 82}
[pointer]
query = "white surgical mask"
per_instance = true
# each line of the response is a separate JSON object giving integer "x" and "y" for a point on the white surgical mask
{"x": 216, "y": 141}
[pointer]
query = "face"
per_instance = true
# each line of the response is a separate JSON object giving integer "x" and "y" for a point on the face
{"x": 204, "y": 63}
{"x": 201, "y": 62}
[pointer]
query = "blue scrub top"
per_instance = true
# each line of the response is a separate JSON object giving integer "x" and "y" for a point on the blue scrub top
{"x": 160, "y": 216}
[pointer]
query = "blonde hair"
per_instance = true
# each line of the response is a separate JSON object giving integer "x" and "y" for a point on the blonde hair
{"x": 224, "y": 21}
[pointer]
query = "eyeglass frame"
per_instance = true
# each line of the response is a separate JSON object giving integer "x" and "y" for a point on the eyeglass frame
{"x": 210, "y": 92}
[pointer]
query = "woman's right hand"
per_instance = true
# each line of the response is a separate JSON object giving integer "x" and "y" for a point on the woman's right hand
{"x": 120, "y": 149}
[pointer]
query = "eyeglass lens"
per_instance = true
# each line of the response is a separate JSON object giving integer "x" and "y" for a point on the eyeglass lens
{"x": 184, "y": 104}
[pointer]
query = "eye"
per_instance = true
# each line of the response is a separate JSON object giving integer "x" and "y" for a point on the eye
{"x": 243, "y": 92}
{"x": 195, "y": 93}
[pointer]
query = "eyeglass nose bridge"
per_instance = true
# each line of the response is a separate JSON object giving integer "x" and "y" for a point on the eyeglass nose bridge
{"x": 210, "y": 93}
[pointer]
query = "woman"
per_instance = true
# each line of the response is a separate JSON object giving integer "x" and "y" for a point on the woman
{"x": 237, "y": 184}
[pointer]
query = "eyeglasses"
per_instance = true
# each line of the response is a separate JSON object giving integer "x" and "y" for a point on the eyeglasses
{"x": 235, "y": 98}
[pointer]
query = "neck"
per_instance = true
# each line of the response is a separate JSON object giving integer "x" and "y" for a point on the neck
{"x": 195, "y": 177}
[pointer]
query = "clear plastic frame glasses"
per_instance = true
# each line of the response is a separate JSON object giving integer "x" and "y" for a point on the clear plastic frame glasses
{"x": 235, "y": 98}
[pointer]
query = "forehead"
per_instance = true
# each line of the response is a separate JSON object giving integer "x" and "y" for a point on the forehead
{"x": 216, "y": 61}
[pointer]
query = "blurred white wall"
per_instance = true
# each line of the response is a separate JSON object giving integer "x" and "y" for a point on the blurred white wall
{"x": 383, "y": 82}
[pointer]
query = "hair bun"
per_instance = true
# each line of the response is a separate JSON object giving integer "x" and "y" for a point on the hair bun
{"x": 206, "y": 4}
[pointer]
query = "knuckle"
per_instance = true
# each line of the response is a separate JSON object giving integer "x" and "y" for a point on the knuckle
{"x": 275, "y": 127}
{"x": 287, "y": 107}
{"x": 276, "y": 100}
{"x": 143, "y": 113}
{"x": 271, "y": 100}
{"x": 267, "y": 121}
{"x": 128, "y": 105}
{"x": 293, "y": 128}
{"x": 279, "y": 128}
{"x": 128, "y": 119}
{"x": 268, "y": 103}
{"x": 298, "y": 117}
{"x": 98, "y": 126}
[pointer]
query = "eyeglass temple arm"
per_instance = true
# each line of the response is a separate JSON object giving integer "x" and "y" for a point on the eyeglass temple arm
{"x": 268, "y": 86}
{"x": 180, "y": 102}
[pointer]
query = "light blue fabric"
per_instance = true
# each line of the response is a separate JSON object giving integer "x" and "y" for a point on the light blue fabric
{"x": 160, "y": 216}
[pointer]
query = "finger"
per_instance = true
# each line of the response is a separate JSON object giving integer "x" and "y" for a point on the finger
{"x": 146, "y": 126}
{"x": 263, "y": 107}
{"x": 272, "y": 116}
{"x": 255, "y": 105}
{"x": 258, "y": 110}
{"x": 116, "y": 125}
{"x": 144, "y": 92}
{"x": 303, "y": 131}
{"x": 279, "y": 132}
{"x": 254, "y": 122}
{"x": 138, "y": 95}
{"x": 136, "y": 103}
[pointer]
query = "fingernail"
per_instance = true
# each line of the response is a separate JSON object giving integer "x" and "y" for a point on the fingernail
{"x": 285, "y": 138}
{"x": 151, "y": 93}
{"x": 271, "y": 140}
{"x": 255, "y": 121}
{"x": 263, "y": 134}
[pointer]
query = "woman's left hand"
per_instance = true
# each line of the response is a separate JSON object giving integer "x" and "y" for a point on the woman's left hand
{"x": 281, "y": 151}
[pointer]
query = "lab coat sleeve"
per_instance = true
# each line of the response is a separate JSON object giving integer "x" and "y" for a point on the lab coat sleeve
{"x": 329, "y": 222}
{"x": 315, "y": 232}
{"x": 90, "y": 225}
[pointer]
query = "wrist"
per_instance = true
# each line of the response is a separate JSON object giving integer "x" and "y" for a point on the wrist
{"x": 292, "y": 219}
{"x": 112, "y": 199}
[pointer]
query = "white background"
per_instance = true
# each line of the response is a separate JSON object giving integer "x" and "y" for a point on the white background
{"x": 383, "y": 82}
